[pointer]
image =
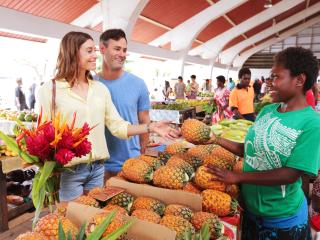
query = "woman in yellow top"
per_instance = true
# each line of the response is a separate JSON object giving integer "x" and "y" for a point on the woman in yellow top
{"x": 91, "y": 100}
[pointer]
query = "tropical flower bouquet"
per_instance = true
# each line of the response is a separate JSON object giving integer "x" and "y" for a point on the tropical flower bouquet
{"x": 50, "y": 145}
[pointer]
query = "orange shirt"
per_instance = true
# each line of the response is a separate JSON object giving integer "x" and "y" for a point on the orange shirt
{"x": 242, "y": 99}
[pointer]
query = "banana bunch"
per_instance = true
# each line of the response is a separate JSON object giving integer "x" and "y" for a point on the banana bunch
{"x": 234, "y": 130}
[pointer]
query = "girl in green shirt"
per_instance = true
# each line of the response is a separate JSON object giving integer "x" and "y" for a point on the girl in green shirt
{"x": 280, "y": 147}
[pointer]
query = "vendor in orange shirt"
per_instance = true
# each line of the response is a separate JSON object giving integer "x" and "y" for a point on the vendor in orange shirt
{"x": 241, "y": 97}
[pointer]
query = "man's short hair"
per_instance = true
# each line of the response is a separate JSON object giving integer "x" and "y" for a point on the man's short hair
{"x": 114, "y": 34}
{"x": 180, "y": 78}
{"x": 244, "y": 71}
{"x": 193, "y": 76}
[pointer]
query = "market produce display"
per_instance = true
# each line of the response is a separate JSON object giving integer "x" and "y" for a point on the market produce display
{"x": 23, "y": 116}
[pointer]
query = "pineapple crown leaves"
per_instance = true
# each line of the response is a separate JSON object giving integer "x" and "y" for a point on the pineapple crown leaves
{"x": 234, "y": 206}
{"x": 98, "y": 231}
{"x": 204, "y": 234}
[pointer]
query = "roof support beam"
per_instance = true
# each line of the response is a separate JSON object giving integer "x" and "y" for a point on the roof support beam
{"x": 90, "y": 18}
{"x": 239, "y": 60}
{"x": 121, "y": 14}
{"x": 228, "y": 55}
{"x": 212, "y": 48}
{"x": 182, "y": 36}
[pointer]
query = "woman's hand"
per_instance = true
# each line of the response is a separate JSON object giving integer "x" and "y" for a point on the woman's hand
{"x": 223, "y": 175}
{"x": 164, "y": 129}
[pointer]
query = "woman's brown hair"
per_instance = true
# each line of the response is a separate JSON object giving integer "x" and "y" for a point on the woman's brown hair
{"x": 68, "y": 60}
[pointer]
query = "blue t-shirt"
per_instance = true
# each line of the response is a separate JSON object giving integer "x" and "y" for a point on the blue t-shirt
{"x": 130, "y": 96}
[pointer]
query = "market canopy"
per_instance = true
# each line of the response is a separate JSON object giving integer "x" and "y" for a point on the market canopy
{"x": 210, "y": 32}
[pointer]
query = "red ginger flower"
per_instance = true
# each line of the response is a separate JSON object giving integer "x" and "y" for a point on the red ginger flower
{"x": 39, "y": 146}
{"x": 83, "y": 148}
{"x": 63, "y": 156}
{"x": 66, "y": 141}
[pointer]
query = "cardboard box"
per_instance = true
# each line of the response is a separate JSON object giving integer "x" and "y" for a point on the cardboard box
{"x": 168, "y": 196}
{"x": 79, "y": 213}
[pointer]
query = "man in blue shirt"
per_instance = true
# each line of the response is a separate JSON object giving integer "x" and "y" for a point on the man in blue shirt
{"x": 130, "y": 96}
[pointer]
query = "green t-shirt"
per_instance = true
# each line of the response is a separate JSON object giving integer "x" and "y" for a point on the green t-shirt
{"x": 290, "y": 139}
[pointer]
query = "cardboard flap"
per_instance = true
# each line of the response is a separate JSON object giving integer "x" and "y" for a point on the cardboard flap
{"x": 79, "y": 214}
{"x": 192, "y": 200}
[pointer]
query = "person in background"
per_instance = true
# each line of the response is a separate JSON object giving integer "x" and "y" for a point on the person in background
{"x": 32, "y": 97}
{"x": 20, "y": 97}
{"x": 221, "y": 99}
{"x": 263, "y": 89}
{"x": 231, "y": 84}
{"x": 194, "y": 87}
{"x": 188, "y": 89}
{"x": 256, "y": 88}
{"x": 207, "y": 86}
{"x": 275, "y": 150}
{"x": 310, "y": 99}
{"x": 241, "y": 98}
{"x": 166, "y": 90}
{"x": 180, "y": 88}
{"x": 77, "y": 92}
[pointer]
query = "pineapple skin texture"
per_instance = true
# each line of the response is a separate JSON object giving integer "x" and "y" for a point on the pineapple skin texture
{"x": 87, "y": 200}
{"x": 179, "y": 210}
{"x": 150, "y": 204}
{"x": 195, "y": 131}
{"x": 216, "y": 202}
{"x": 30, "y": 236}
{"x": 203, "y": 180}
{"x": 177, "y": 224}
{"x": 49, "y": 224}
{"x": 136, "y": 170}
{"x": 170, "y": 177}
{"x": 146, "y": 215}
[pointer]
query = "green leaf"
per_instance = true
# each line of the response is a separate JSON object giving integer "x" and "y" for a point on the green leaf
{"x": 80, "y": 235}
{"x": 117, "y": 233}
{"x": 45, "y": 172}
{"x": 41, "y": 194}
{"x": 69, "y": 236}
{"x": 13, "y": 146}
{"x": 99, "y": 230}
{"x": 61, "y": 234}
{"x": 205, "y": 232}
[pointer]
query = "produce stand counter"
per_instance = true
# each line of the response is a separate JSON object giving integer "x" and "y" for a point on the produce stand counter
{"x": 8, "y": 164}
{"x": 176, "y": 116}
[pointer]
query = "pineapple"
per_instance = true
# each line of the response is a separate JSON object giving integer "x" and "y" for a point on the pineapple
{"x": 95, "y": 191}
{"x": 217, "y": 161}
{"x": 124, "y": 200}
{"x": 61, "y": 210}
{"x": 195, "y": 162}
{"x": 137, "y": 171}
{"x": 224, "y": 154}
{"x": 118, "y": 209}
{"x": 150, "y": 204}
{"x": 233, "y": 190}
{"x": 146, "y": 215}
{"x": 195, "y": 131}
{"x": 179, "y": 210}
{"x": 201, "y": 151}
{"x": 180, "y": 163}
{"x": 30, "y": 236}
{"x": 177, "y": 224}
{"x": 48, "y": 226}
{"x": 219, "y": 203}
{"x": 204, "y": 180}
{"x": 117, "y": 222}
{"x": 175, "y": 148}
{"x": 190, "y": 187}
{"x": 86, "y": 200}
{"x": 216, "y": 228}
{"x": 170, "y": 177}
{"x": 238, "y": 167}
{"x": 163, "y": 157}
{"x": 153, "y": 162}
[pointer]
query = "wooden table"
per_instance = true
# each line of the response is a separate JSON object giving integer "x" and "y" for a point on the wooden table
{"x": 5, "y": 214}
